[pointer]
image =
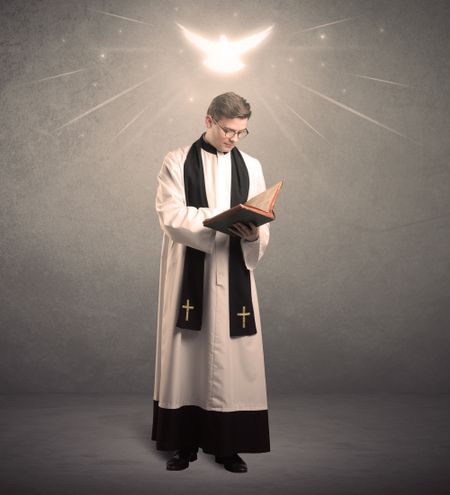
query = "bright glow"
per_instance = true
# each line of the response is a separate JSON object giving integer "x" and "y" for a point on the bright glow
{"x": 223, "y": 55}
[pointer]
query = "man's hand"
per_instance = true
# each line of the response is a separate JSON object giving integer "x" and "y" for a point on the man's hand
{"x": 247, "y": 231}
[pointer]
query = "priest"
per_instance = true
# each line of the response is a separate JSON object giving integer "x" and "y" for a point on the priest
{"x": 210, "y": 385}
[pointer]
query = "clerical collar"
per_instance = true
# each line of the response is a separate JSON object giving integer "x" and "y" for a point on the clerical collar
{"x": 209, "y": 147}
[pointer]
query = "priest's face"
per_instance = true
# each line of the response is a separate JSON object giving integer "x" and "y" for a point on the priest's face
{"x": 217, "y": 132}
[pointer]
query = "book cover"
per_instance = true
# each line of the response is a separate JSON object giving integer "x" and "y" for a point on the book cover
{"x": 257, "y": 210}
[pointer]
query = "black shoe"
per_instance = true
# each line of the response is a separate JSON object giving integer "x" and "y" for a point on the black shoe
{"x": 232, "y": 463}
{"x": 181, "y": 459}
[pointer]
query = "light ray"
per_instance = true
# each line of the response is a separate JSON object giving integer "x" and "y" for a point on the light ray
{"x": 281, "y": 126}
{"x": 415, "y": 222}
{"x": 323, "y": 48}
{"x": 394, "y": 83}
{"x": 120, "y": 17}
{"x": 398, "y": 226}
{"x": 304, "y": 121}
{"x": 326, "y": 25}
{"x": 106, "y": 102}
{"x": 131, "y": 122}
{"x": 59, "y": 75}
{"x": 353, "y": 111}
{"x": 135, "y": 49}
{"x": 157, "y": 115}
{"x": 138, "y": 134}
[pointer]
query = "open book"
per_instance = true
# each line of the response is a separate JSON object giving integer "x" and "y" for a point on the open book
{"x": 257, "y": 210}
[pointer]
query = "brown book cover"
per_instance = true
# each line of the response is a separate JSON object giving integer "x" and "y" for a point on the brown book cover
{"x": 257, "y": 210}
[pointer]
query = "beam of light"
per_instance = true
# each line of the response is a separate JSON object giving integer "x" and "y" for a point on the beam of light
{"x": 304, "y": 120}
{"x": 416, "y": 222}
{"x": 59, "y": 75}
{"x": 135, "y": 49}
{"x": 322, "y": 26}
{"x": 133, "y": 120}
{"x": 378, "y": 80}
{"x": 323, "y": 48}
{"x": 158, "y": 115}
{"x": 398, "y": 226}
{"x": 353, "y": 111}
{"x": 106, "y": 102}
{"x": 281, "y": 126}
{"x": 120, "y": 17}
{"x": 223, "y": 55}
{"x": 326, "y": 25}
{"x": 138, "y": 134}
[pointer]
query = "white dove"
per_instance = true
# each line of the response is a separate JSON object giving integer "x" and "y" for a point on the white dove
{"x": 223, "y": 55}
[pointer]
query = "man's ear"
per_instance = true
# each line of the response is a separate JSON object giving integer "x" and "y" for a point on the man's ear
{"x": 208, "y": 121}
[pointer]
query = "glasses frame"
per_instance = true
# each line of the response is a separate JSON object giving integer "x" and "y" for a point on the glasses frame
{"x": 227, "y": 131}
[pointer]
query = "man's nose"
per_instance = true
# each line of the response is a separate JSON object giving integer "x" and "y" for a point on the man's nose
{"x": 235, "y": 138}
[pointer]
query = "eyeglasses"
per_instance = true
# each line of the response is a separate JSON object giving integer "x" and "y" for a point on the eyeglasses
{"x": 230, "y": 133}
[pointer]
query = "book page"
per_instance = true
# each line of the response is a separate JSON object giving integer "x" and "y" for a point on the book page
{"x": 266, "y": 200}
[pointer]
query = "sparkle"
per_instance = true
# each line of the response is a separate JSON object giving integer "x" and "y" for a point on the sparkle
{"x": 103, "y": 56}
{"x": 381, "y": 30}
{"x": 322, "y": 64}
{"x": 322, "y": 36}
{"x": 191, "y": 99}
{"x": 235, "y": 14}
{"x": 120, "y": 31}
{"x": 344, "y": 91}
{"x": 63, "y": 40}
{"x": 290, "y": 59}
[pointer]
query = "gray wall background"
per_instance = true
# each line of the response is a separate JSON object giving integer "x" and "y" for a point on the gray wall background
{"x": 355, "y": 285}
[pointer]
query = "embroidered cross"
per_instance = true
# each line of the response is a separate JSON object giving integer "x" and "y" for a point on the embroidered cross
{"x": 243, "y": 314}
{"x": 187, "y": 308}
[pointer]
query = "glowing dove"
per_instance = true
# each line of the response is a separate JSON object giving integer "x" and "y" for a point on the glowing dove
{"x": 223, "y": 55}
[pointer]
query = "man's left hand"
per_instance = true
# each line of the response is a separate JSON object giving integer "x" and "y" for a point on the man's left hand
{"x": 247, "y": 231}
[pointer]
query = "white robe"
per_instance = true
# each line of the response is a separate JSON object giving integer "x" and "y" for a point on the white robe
{"x": 205, "y": 368}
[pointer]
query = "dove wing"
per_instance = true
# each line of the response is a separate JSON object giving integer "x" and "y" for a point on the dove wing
{"x": 241, "y": 46}
{"x": 201, "y": 43}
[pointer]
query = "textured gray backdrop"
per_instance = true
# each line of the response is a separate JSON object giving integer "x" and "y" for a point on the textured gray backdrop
{"x": 353, "y": 115}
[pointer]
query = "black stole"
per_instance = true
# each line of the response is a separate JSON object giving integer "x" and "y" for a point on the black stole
{"x": 242, "y": 320}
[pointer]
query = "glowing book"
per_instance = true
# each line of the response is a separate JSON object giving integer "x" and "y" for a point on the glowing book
{"x": 257, "y": 210}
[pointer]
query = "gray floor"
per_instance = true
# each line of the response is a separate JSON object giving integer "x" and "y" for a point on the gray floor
{"x": 323, "y": 444}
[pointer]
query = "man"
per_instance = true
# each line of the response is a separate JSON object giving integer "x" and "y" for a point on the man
{"x": 210, "y": 388}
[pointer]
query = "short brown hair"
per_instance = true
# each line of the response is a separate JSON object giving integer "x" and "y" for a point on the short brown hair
{"x": 229, "y": 106}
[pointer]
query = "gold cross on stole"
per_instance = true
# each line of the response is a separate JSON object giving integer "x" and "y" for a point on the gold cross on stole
{"x": 243, "y": 314}
{"x": 187, "y": 308}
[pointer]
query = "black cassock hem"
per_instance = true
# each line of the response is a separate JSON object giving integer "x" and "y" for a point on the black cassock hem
{"x": 219, "y": 433}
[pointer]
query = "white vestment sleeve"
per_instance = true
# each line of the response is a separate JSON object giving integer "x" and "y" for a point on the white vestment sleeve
{"x": 253, "y": 251}
{"x": 183, "y": 224}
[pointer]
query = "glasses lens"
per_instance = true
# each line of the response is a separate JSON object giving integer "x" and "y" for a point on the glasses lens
{"x": 229, "y": 133}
